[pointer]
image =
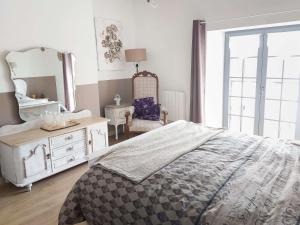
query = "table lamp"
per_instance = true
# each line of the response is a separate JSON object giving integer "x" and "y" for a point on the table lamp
{"x": 136, "y": 55}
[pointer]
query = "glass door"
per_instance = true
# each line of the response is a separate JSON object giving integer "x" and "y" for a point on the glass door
{"x": 262, "y": 82}
{"x": 243, "y": 54}
{"x": 281, "y": 113}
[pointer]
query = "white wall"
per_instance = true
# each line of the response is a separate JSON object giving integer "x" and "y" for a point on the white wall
{"x": 65, "y": 25}
{"x": 120, "y": 10}
{"x": 214, "y": 78}
{"x": 166, "y": 32}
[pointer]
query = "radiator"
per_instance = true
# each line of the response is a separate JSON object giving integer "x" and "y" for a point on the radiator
{"x": 174, "y": 102}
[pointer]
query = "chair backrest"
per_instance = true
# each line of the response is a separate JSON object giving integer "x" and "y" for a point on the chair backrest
{"x": 145, "y": 84}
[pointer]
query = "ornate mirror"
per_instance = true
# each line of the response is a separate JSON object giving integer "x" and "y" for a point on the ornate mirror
{"x": 43, "y": 80}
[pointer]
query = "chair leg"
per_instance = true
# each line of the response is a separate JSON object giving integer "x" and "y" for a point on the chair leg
{"x": 127, "y": 131}
{"x": 127, "y": 125}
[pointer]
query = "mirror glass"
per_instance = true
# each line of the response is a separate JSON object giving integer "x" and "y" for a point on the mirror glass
{"x": 43, "y": 80}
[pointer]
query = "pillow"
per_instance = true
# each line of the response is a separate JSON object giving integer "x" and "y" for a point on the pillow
{"x": 141, "y": 104}
{"x": 144, "y": 102}
{"x": 145, "y": 109}
{"x": 151, "y": 113}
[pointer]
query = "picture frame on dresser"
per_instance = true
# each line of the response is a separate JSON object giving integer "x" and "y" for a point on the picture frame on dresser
{"x": 29, "y": 154}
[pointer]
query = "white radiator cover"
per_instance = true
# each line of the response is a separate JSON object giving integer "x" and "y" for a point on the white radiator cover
{"x": 174, "y": 102}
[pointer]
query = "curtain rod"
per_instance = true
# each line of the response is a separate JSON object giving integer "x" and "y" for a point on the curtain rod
{"x": 247, "y": 17}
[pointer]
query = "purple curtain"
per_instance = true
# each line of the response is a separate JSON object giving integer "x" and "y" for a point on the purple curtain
{"x": 198, "y": 72}
{"x": 69, "y": 75}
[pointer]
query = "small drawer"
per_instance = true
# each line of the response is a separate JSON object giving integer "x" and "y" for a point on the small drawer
{"x": 68, "y": 160}
{"x": 68, "y": 150}
{"x": 66, "y": 139}
{"x": 122, "y": 113}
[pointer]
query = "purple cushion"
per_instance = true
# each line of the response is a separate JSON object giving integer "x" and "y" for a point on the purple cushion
{"x": 145, "y": 109}
{"x": 140, "y": 105}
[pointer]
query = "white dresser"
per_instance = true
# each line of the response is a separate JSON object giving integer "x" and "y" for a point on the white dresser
{"x": 32, "y": 155}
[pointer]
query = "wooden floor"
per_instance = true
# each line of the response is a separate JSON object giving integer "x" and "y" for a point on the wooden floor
{"x": 40, "y": 206}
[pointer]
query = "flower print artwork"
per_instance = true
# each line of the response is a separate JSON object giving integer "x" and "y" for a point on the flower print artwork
{"x": 112, "y": 43}
{"x": 109, "y": 44}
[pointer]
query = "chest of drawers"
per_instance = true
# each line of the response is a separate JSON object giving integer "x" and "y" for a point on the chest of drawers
{"x": 68, "y": 148}
{"x": 32, "y": 155}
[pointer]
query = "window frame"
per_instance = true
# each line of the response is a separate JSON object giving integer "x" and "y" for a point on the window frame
{"x": 261, "y": 76}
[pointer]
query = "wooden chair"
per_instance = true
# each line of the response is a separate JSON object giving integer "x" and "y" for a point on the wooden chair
{"x": 144, "y": 84}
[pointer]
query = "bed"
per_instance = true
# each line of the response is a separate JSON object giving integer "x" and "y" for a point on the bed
{"x": 186, "y": 174}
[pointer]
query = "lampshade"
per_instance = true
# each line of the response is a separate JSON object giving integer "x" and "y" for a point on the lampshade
{"x": 135, "y": 55}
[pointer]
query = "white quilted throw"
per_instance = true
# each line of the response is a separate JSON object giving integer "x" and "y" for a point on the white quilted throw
{"x": 140, "y": 157}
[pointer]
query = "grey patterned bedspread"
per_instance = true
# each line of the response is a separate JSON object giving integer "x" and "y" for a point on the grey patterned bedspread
{"x": 232, "y": 179}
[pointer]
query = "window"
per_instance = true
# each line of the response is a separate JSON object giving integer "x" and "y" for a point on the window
{"x": 262, "y": 82}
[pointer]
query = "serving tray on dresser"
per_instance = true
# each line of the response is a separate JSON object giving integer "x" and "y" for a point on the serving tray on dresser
{"x": 32, "y": 155}
{"x": 51, "y": 128}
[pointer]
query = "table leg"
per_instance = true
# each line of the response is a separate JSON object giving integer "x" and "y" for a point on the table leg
{"x": 28, "y": 187}
{"x": 116, "y": 131}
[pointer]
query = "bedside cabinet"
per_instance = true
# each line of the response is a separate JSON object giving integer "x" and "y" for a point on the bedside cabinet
{"x": 116, "y": 115}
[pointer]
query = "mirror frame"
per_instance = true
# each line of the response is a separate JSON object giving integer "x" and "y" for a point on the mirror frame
{"x": 68, "y": 73}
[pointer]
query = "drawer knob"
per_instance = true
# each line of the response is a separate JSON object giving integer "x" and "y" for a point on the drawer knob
{"x": 70, "y": 149}
{"x": 71, "y": 160}
{"x": 69, "y": 137}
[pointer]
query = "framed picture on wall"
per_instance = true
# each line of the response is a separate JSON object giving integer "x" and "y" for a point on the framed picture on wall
{"x": 110, "y": 46}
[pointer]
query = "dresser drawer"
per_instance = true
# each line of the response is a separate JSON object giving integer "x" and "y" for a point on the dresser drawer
{"x": 68, "y": 160}
{"x": 70, "y": 149}
{"x": 66, "y": 139}
{"x": 121, "y": 113}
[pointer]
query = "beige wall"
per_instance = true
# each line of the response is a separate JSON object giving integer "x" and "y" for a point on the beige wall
{"x": 90, "y": 96}
{"x": 42, "y": 86}
{"x": 9, "y": 109}
{"x": 109, "y": 88}
{"x": 87, "y": 97}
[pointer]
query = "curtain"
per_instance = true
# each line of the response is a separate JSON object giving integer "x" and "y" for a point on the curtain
{"x": 69, "y": 86}
{"x": 198, "y": 72}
